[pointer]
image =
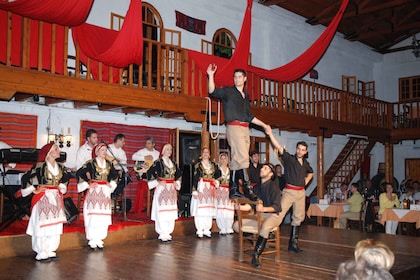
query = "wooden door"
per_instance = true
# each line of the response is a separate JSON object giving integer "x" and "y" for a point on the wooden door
{"x": 412, "y": 168}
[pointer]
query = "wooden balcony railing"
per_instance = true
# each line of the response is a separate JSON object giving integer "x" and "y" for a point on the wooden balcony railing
{"x": 165, "y": 69}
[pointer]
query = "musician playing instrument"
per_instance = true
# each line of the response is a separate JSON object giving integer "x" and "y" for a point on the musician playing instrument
{"x": 165, "y": 177}
{"x": 144, "y": 159}
{"x": 99, "y": 177}
{"x": 84, "y": 153}
{"x": 47, "y": 209}
{"x": 118, "y": 157}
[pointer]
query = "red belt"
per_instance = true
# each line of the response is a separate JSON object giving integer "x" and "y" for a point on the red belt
{"x": 296, "y": 188}
{"x": 166, "y": 180}
{"x": 244, "y": 124}
{"x": 98, "y": 182}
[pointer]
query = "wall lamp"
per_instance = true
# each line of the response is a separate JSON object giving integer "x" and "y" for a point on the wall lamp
{"x": 60, "y": 139}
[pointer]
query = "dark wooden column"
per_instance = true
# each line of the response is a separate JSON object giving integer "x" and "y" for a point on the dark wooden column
{"x": 320, "y": 173}
{"x": 389, "y": 162}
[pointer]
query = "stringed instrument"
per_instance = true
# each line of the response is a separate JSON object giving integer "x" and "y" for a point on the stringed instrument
{"x": 142, "y": 166}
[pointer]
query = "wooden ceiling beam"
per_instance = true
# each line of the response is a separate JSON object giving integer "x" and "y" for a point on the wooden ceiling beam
{"x": 365, "y": 10}
{"x": 7, "y": 94}
{"x": 366, "y": 28}
{"x": 107, "y": 107}
{"x": 128, "y": 110}
{"x": 385, "y": 31}
{"x": 81, "y": 104}
{"x": 20, "y": 96}
{"x": 172, "y": 115}
{"x": 52, "y": 100}
{"x": 152, "y": 113}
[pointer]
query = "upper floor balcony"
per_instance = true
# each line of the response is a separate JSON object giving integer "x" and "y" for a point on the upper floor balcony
{"x": 170, "y": 84}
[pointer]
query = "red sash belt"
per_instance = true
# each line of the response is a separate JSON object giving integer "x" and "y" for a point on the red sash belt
{"x": 98, "y": 182}
{"x": 166, "y": 180}
{"x": 244, "y": 124}
{"x": 296, "y": 188}
{"x": 224, "y": 186}
{"x": 211, "y": 181}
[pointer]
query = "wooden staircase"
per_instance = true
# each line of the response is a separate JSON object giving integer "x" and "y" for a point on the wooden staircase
{"x": 347, "y": 163}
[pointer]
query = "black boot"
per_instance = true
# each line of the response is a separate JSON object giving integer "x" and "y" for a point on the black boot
{"x": 259, "y": 248}
{"x": 233, "y": 186}
{"x": 248, "y": 192}
{"x": 293, "y": 242}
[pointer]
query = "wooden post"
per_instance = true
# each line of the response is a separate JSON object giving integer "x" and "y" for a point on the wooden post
{"x": 389, "y": 159}
{"x": 320, "y": 175}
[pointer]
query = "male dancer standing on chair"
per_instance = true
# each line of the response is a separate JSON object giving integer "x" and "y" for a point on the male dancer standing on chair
{"x": 237, "y": 113}
{"x": 298, "y": 173}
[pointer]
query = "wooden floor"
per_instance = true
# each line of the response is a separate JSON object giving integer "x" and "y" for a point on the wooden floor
{"x": 217, "y": 258}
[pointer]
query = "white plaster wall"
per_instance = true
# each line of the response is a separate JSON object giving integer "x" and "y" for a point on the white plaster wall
{"x": 395, "y": 65}
{"x": 277, "y": 38}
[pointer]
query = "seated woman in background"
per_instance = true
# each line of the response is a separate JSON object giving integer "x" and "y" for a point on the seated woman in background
{"x": 388, "y": 199}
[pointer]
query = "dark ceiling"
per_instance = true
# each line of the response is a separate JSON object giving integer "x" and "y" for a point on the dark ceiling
{"x": 380, "y": 24}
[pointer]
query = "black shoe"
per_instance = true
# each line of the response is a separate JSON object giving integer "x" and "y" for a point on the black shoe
{"x": 101, "y": 248}
{"x": 93, "y": 249}
{"x": 47, "y": 260}
{"x": 55, "y": 258}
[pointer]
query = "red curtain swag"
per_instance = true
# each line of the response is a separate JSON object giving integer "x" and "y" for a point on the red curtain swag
{"x": 305, "y": 62}
{"x": 289, "y": 72}
{"x": 113, "y": 48}
{"x": 67, "y": 13}
{"x": 239, "y": 58}
{"x": 34, "y": 30}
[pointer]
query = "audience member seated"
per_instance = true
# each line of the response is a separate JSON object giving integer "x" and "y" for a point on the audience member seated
{"x": 341, "y": 193}
{"x": 370, "y": 191}
{"x": 408, "y": 194}
{"x": 374, "y": 252}
{"x": 388, "y": 199}
{"x": 372, "y": 260}
{"x": 355, "y": 202}
{"x": 353, "y": 270}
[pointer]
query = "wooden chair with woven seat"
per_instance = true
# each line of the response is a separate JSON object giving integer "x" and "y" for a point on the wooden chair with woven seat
{"x": 248, "y": 226}
{"x": 360, "y": 220}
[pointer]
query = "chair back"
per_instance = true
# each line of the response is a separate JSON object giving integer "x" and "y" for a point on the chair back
{"x": 248, "y": 226}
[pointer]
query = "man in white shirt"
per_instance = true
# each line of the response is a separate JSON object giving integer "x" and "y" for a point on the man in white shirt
{"x": 341, "y": 193}
{"x": 119, "y": 159}
{"x": 145, "y": 158}
{"x": 84, "y": 153}
{"x": 147, "y": 155}
{"x": 117, "y": 154}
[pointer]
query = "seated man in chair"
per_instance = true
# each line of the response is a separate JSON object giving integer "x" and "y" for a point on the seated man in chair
{"x": 270, "y": 194}
{"x": 355, "y": 202}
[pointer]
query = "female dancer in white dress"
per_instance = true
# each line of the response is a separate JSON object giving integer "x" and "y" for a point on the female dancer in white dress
{"x": 165, "y": 177}
{"x": 224, "y": 205}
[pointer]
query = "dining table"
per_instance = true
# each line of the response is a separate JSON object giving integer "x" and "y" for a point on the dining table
{"x": 401, "y": 215}
{"x": 332, "y": 210}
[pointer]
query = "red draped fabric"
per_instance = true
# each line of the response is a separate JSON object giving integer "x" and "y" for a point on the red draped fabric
{"x": 35, "y": 29}
{"x": 67, "y": 13}
{"x": 239, "y": 58}
{"x": 19, "y": 131}
{"x": 135, "y": 139}
{"x": 289, "y": 72}
{"x": 112, "y": 48}
{"x": 306, "y": 61}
